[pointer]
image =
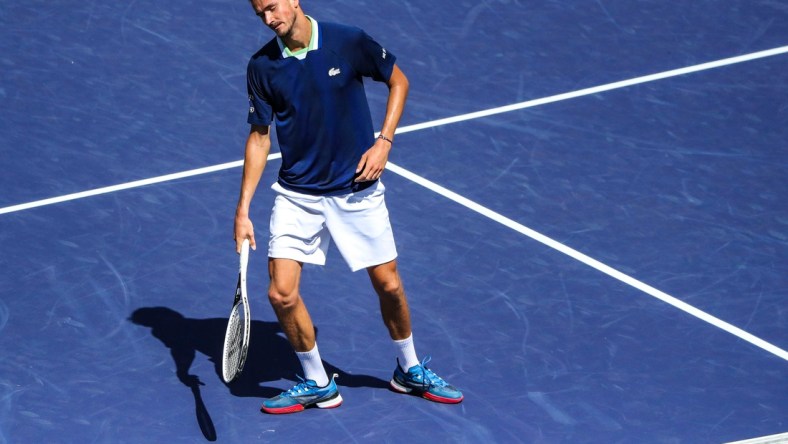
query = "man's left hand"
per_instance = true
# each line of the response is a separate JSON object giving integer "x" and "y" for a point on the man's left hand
{"x": 373, "y": 162}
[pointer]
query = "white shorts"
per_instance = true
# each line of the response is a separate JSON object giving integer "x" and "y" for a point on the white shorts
{"x": 303, "y": 225}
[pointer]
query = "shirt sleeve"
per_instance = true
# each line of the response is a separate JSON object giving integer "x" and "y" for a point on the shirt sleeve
{"x": 260, "y": 110}
{"x": 373, "y": 60}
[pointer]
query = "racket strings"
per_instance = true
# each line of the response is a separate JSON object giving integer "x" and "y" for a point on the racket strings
{"x": 232, "y": 348}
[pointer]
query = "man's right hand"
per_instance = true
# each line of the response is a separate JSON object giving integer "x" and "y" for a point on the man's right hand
{"x": 244, "y": 229}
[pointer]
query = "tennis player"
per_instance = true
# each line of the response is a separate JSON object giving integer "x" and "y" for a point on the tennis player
{"x": 308, "y": 79}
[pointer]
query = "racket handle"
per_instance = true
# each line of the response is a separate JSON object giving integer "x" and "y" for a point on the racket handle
{"x": 244, "y": 255}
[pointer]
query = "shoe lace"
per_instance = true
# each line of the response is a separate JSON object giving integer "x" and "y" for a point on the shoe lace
{"x": 301, "y": 387}
{"x": 428, "y": 377}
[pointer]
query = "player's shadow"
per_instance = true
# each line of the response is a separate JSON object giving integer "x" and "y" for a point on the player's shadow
{"x": 270, "y": 357}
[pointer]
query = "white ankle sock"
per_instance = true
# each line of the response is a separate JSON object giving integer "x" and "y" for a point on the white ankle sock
{"x": 313, "y": 366}
{"x": 406, "y": 352}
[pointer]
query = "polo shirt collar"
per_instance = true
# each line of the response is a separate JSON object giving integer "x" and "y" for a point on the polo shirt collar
{"x": 301, "y": 53}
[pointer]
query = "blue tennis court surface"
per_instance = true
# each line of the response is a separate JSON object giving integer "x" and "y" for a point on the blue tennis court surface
{"x": 653, "y": 310}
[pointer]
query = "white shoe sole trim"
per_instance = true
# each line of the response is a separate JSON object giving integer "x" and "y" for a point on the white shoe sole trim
{"x": 330, "y": 403}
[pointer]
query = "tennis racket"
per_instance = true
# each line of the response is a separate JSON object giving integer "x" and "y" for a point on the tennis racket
{"x": 236, "y": 339}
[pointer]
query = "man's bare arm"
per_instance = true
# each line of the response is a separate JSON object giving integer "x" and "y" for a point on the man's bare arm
{"x": 373, "y": 162}
{"x": 258, "y": 144}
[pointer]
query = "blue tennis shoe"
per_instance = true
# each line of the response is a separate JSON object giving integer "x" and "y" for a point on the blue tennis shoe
{"x": 305, "y": 394}
{"x": 420, "y": 380}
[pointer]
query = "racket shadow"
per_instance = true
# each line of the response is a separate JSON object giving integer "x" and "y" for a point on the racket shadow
{"x": 270, "y": 358}
{"x": 185, "y": 337}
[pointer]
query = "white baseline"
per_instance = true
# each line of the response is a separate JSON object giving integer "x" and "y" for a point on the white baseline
{"x": 486, "y": 211}
{"x": 425, "y": 125}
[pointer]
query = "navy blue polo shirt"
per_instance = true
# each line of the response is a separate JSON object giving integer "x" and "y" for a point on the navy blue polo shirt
{"x": 317, "y": 97}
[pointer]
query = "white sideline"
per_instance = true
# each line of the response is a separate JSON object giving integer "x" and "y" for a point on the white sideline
{"x": 591, "y": 262}
{"x": 781, "y": 438}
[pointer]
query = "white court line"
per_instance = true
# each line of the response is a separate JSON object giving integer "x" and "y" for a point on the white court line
{"x": 491, "y": 214}
{"x": 424, "y": 125}
{"x": 591, "y": 262}
{"x": 597, "y": 89}
{"x": 128, "y": 185}
{"x": 782, "y": 438}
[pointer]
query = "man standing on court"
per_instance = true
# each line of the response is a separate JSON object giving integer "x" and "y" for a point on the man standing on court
{"x": 309, "y": 79}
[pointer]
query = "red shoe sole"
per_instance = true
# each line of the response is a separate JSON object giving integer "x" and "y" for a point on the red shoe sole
{"x": 292, "y": 409}
{"x": 441, "y": 399}
{"x": 428, "y": 396}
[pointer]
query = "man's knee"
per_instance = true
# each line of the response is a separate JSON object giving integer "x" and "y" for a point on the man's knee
{"x": 386, "y": 280}
{"x": 282, "y": 296}
{"x": 393, "y": 288}
{"x": 283, "y": 290}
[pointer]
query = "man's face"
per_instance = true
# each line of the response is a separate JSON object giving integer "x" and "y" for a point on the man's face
{"x": 279, "y": 15}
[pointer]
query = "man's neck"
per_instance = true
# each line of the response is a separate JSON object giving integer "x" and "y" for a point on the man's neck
{"x": 300, "y": 35}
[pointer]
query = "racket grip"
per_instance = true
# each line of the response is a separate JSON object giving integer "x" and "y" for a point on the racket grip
{"x": 244, "y": 256}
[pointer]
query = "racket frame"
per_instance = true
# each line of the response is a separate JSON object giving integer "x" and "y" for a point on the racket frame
{"x": 240, "y": 302}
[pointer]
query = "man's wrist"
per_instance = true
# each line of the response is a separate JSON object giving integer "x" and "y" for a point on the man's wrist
{"x": 242, "y": 212}
{"x": 382, "y": 137}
